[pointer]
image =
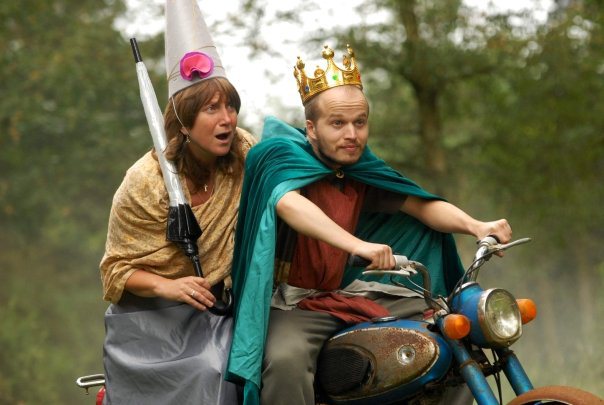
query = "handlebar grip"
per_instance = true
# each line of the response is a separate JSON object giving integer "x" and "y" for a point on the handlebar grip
{"x": 358, "y": 261}
{"x": 488, "y": 241}
{"x": 494, "y": 237}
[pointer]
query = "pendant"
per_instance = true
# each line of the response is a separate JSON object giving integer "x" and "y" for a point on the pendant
{"x": 205, "y": 188}
{"x": 339, "y": 174}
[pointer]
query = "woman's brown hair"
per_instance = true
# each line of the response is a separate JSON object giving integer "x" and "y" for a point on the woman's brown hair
{"x": 188, "y": 103}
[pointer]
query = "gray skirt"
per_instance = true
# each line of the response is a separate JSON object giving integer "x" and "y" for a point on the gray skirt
{"x": 163, "y": 352}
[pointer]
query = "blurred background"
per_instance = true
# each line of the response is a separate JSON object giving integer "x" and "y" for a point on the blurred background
{"x": 497, "y": 108}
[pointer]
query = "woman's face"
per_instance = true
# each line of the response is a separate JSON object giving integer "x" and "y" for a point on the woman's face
{"x": 213, "y": 130}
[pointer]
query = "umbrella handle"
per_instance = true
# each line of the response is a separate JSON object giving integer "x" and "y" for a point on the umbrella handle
{"x": 220, "y": 308}
{"x": 223, "y": 308}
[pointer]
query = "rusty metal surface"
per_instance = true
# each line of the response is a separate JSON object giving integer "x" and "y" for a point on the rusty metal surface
{"x": 398, "y": 355}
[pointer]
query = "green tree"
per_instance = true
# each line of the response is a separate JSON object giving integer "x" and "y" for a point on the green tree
{"x": 544, "y": 160}
{"x": 72, "y": 123}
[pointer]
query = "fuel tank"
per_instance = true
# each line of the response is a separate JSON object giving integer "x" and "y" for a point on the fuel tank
{"x": 381, "y": 362}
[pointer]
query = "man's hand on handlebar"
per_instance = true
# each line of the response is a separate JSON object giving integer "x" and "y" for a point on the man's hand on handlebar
{"x": 380, "y": 255}
{"x": 500, "y": 229}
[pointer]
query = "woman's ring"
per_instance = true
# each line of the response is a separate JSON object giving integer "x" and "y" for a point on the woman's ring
{"x": 192, "y": 293}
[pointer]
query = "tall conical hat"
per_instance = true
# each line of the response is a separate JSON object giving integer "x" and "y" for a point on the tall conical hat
{"x": 191, "y": 55}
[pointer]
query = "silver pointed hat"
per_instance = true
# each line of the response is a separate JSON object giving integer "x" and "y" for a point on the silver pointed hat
{"x": 191, "y": 55}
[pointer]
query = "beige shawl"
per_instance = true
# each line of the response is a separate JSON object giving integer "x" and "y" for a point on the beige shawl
{"x": 136, "y": 236}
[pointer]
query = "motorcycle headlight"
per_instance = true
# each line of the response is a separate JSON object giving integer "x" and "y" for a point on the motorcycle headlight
{"x": 499, "y": 317}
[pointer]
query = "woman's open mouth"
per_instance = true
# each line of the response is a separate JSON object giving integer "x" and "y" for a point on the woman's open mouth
{"x": 224, "y": 136}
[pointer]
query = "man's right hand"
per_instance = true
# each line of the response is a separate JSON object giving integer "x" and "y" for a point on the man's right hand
{"x": 380, "y": 255}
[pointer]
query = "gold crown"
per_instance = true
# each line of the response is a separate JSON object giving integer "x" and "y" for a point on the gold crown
{"x": 332, "y": 76}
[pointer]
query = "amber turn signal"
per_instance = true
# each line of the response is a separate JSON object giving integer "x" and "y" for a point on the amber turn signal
{"x": 456, "y": 326}
{"x": 528, "y": 309}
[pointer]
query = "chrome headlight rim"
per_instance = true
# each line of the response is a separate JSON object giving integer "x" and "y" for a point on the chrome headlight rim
{"x": 492, "y": 337}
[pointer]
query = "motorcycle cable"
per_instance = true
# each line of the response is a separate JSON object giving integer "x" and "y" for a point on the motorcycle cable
{"x": 471, "y": 269}
{"x": 497, "y": 376}
{"x": 420, "y": 290}
{"x": 485, "y": 258}
{"x": 492, "y": 249}
{"x": 357, "y": 261}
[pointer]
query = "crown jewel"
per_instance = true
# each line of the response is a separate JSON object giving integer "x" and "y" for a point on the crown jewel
{"x": 332, "y": 76}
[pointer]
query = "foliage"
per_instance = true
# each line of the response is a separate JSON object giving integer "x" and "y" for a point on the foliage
{"x": 72, "y": 124}
{"x": 499, "y": 112}
{"x": 416, "y": 61}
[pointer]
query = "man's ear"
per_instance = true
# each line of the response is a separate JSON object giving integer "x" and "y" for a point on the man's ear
{"x": 310, "y": 130}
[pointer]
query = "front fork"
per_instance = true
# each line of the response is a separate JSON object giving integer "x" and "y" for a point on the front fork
{"x": 514, "y": 372}
{"x": 475, "y": 378}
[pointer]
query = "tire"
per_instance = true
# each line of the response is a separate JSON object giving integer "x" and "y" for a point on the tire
{"x": 557, "y": 395}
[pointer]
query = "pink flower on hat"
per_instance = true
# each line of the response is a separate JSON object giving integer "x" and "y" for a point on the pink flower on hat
{"x": 196, "y": 62}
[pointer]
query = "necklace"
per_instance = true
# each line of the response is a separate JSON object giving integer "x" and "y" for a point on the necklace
{"x": 209, "y": 186}
{"x": 210, "y": 181}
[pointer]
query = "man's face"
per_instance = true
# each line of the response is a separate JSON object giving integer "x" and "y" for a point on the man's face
{"x": 339, "y": 135}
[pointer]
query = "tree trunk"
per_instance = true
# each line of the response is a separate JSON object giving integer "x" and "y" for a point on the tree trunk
{"x": 430, "y": 130}
{"x": 427, "y": 87}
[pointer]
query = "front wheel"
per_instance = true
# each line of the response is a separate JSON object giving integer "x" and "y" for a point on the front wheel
{"x": 557, "y": 395}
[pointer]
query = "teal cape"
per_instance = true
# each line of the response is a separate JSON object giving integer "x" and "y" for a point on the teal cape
{"x": 284, "y": 161}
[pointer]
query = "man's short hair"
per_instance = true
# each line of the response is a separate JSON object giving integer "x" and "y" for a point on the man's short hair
{"x": 311, "y": 109}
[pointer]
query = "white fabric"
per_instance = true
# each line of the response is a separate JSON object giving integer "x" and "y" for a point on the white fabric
{"x": 286, "y": 296}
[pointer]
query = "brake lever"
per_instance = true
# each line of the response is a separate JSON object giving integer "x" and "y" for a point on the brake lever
{"x": 492, "y": 249}
{"x": 487, "y": 249}
{"x": 512, "y": 244}
{"x": 403, "y": 267}
{"x": 403, "y": 272}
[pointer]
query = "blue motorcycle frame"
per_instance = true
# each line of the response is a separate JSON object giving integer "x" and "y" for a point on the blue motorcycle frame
{"x": 390, "y": 360}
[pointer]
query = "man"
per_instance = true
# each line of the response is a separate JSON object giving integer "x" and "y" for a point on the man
{"x": 331, "y": 195}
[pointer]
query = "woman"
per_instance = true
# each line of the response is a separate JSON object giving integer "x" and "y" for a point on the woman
{"x": 158, "y": 350}
{"x": 162, "y": 344}
{"x": 209, "y": 154}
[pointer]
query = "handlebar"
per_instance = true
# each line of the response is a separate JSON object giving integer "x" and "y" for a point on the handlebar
{"x": 407, "y": 268}
{"x": 486, "y": 248}
{"x": 404, "y": 268}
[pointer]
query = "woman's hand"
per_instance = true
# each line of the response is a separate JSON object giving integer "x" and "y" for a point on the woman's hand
{"x": 194, "y": 291}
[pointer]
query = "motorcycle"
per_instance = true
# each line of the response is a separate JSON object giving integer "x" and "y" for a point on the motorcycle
{"x": 390, "y": 360}
{"x": 399, "y": 361}
{"x": 91, "y": 381}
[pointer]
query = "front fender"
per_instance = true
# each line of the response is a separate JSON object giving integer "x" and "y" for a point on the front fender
{"x": 562, "y": 394}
